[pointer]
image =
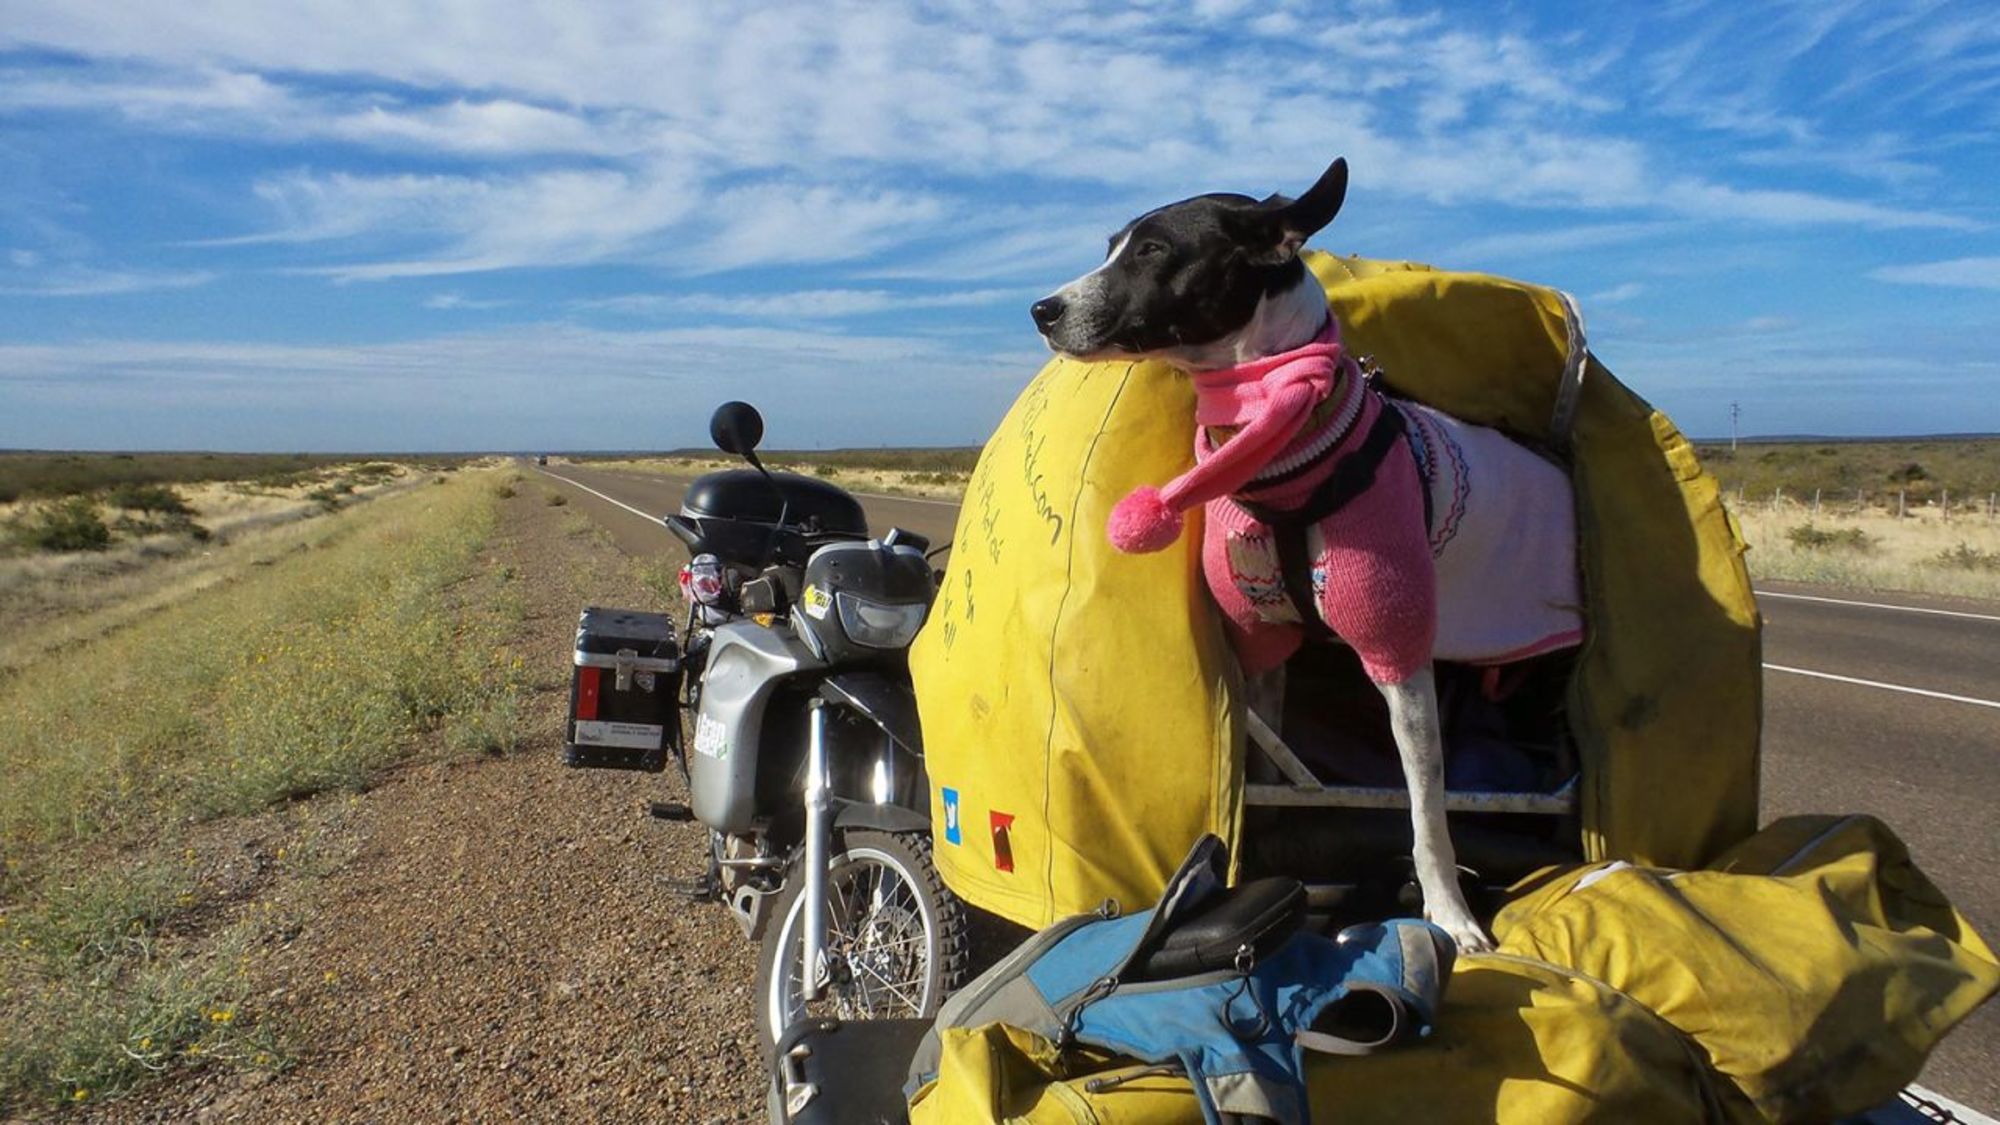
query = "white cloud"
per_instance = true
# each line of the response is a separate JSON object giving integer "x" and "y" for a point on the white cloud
{"x": 810, "y": 304}
{"x": 1617, "y": 294}
{"x": 1795, "y": 208}
{"x": 551, "y": 218}
{"x": 1964, "y": 273}
{"x": 1559, "y": 240}
{"x": 84, "y": 281}
{"x": 458, "y": 301}
{"x": 234, "y": 103}
{"x": 819, "y": 98}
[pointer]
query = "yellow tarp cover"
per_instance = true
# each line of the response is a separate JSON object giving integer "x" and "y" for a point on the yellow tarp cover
{"x": 1803, "y": 978}
{"x": 1077, "y": 703}
{"x": 1078, "y": 729}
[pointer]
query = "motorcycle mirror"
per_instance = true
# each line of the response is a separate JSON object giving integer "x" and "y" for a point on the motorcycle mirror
{"x": 736, "y": 427}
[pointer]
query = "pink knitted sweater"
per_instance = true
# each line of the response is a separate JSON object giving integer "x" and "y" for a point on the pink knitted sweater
{"x": 1491, "y": 581}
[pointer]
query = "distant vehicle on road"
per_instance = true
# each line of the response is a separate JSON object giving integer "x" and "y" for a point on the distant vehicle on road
{"x": 542, "y": 460}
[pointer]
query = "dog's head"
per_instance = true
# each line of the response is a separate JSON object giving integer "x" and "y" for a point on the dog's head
{"x": 1182, "y": 280}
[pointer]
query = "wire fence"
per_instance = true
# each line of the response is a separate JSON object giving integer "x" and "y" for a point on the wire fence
{"x": 1898, "y": 502}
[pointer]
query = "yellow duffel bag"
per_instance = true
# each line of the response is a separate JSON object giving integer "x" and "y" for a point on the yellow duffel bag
{"x": 1814, "y": 966}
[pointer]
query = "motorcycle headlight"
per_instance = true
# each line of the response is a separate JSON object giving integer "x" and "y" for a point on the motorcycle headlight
{"x": 876, "y": 625}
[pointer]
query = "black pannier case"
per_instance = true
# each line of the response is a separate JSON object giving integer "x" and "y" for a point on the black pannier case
{"x": 624, "y": 696}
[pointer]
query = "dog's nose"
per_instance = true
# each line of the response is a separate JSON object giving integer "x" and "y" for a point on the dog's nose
{"x": 1046, "y": 312}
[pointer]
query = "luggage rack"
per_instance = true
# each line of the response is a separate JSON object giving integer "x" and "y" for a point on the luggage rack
{"x": 1307, "y": 791}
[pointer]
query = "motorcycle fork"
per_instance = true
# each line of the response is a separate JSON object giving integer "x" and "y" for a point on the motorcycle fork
{"x": 819, "y": 840}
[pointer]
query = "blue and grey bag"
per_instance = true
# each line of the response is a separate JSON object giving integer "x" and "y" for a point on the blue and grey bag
{"x": 1222, "y": 985}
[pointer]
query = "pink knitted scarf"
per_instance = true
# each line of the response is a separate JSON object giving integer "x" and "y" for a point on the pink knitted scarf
{"x": 1271, "y": 398}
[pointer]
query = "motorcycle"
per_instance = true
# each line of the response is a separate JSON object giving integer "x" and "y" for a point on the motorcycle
{"x": 806, "y": 762}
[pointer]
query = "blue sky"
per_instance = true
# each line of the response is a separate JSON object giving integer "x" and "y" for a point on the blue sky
{"x": 233, "y": 224}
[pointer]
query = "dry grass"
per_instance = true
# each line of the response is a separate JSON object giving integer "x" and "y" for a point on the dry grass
{"x": 52, "y": 600}
{"x": 277, "y": 675}
{"x": 1873, "y": 550}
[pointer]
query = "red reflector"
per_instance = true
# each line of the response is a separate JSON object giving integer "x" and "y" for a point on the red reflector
{"x": 586, "y": 693}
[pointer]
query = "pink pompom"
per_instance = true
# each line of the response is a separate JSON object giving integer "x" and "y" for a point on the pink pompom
{"x": 1143, "y": 523}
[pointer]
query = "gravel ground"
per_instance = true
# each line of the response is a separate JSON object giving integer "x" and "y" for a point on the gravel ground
{"x": 504, "y": 940}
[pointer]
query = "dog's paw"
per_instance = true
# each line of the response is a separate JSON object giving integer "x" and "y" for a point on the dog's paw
{"x": 1467, "y": 934}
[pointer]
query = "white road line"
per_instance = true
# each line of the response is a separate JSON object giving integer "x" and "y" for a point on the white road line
{"x": 1964, "y": 1113}
{"x": 649, "y": 515}
{"x": 1993, "y": 703}
{"x": 1879, "y": 605}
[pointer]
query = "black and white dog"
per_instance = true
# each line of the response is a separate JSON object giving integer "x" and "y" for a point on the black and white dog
{"x": 1331, "y": 510}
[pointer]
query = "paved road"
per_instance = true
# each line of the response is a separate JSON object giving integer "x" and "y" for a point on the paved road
{"x": 1928, "y": 764}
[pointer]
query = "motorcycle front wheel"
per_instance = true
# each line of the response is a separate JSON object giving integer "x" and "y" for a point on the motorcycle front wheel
{"x": 895, "y": 937}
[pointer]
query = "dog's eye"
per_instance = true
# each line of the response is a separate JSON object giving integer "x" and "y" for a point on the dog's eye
{"x": 1149, "y": 249}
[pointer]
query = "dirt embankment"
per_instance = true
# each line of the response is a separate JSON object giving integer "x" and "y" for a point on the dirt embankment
{"x": 505, "y": 941}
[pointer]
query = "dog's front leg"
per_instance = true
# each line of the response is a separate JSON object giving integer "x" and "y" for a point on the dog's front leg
{"x": 1413, "y": 717}
{"x": 1265, "y": 692}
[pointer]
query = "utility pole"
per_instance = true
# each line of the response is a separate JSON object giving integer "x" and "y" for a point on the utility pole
{"x": 1735, "y": 412}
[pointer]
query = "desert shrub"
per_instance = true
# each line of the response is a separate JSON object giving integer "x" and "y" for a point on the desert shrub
{"x": 557, "y": 500}
{"x": 154, "y": 499}
{"x": 825, "y": 471}
{"x": 1910, "y": 472}
{"x": 1807, "y": 537}
{"x": 504, "y": 491}
{"x": 65, "y": 525}
{"x": 1967, "y": 557}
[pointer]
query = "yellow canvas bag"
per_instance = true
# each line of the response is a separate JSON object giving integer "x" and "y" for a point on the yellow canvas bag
{"x": 1078, "y": 724}
{"x": 1813, "y": 965}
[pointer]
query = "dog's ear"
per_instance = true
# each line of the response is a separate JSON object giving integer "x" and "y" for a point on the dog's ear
{"x": 1280, "y": 226}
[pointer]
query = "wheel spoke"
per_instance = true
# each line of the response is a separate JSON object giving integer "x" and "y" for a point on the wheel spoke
{"x": 891, "y": 987}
